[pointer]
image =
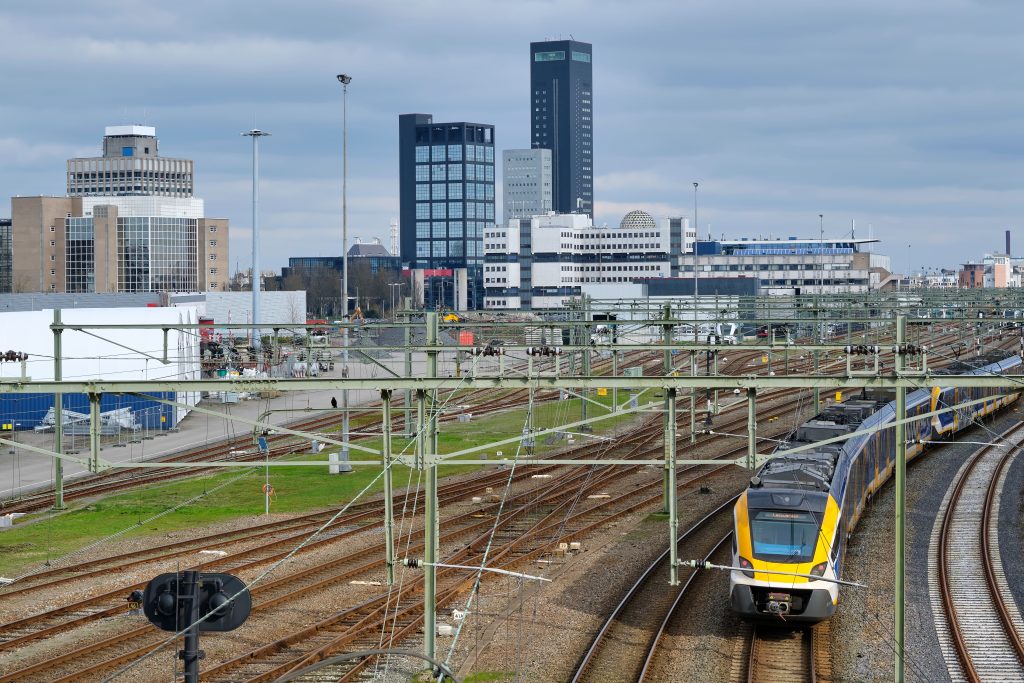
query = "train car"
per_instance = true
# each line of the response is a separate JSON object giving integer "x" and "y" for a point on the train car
{"x": 800, "y": 509}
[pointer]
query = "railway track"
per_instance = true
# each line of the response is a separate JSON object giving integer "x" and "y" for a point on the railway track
{"x": 983, "y": 638}
{"x": 644, "y": 442}
{"x": 513, "y": 531}
{"x": 781, "y": 655}
{"x": 626, "y": 645}
{"x": 241, "y": 448}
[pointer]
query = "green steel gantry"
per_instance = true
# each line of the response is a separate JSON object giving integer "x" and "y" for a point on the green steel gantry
{"x": 875, "y": 316}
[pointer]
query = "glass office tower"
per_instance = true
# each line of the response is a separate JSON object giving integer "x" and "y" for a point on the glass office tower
{"x": 446, "y": 187}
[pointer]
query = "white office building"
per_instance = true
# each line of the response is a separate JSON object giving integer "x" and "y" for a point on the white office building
{"x": 543, "y": 261}
{"x": 526, "y": 182}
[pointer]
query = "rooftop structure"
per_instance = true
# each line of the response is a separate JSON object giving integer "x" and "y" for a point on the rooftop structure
{"x": 130, "y": 165}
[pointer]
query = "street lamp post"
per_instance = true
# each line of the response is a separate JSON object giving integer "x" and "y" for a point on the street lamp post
{"x": 693, "y": 362}
{"x": 395, "y": 300}
{"x": 344, "y": 79}
{"x": 255, "y": 134}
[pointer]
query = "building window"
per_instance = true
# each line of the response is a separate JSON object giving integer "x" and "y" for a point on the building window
{"x": 213, "y": 243}
{"x": 213, "y": 257}
{"x": 438, "y": 231}
{"x": 213, "y": 228}
{"x": 213, "y": 271}
{"x": 52, "y": 257}
{"x": 437, "y": 172}
{"x": 53, "y": 243}
{"x": 422, "y": 229}
{"x": 53, "y": 229}
{"x": 454, "y": 171}
{"x": 438, "y": 192}
{"x": 454, "y": 152}
{"x": 470, "y": 153}
{"x": 437, "y": 210}
{"x": 53, "y": 272}
{"x": 454, "y": 190}
{"x": 422, "y": 211}
{"x": 53, "y": 287}
{"x": 422, "y": 191}
{"x": 422, "y": 154}
{"x": 554, "y": 56}
{"x": 454, "y": 209}
{"x": 422, "y": 173}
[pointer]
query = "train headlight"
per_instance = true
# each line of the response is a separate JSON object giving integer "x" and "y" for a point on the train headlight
{"x": 819, "y": 569}
{"x": 746, "y": 565}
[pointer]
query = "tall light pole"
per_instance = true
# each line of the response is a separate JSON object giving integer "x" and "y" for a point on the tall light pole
{"x": 395, "y": 300}
{"x": 344, "y": 79}
{"x": 695, "y": 229}
{"x": 256, "y": 134}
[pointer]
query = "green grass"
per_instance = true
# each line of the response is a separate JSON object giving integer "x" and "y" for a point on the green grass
{"x": 37, "y": 538}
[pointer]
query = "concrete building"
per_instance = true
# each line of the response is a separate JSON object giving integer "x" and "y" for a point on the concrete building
{"x": 446, "y": 188}
{"x": 144, "y": 236}
{"x": 130, "y": 165}
{"x": 526, "y": 183}
{"x": 562, "y": 119}
{"x": 543, "y": 261}
{"x": 994, "y": 271}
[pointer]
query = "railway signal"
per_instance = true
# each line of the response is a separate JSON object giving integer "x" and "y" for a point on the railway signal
{"x": 198, "y": 602}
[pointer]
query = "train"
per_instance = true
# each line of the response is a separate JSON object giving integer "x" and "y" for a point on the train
{"x": 799, "y": 511}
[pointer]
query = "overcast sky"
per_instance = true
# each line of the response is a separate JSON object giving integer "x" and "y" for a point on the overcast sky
{"x": 903, "y": 115}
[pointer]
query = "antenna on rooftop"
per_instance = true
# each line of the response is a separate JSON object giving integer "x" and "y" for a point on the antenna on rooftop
{"x": 394, "y": 237}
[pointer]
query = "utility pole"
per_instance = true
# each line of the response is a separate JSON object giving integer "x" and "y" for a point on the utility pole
{"x": 58, "y": 417}
{"x": 901, "y": 502}
{"x": 429, "y": 463}
{"x": 389, "y": 514}
{"x": 407, "y": 319}
{"x": 670, "y": 475}
{"x": 668, "y": 495}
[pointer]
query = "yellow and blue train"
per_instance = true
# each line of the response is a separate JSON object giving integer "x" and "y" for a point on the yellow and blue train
{"x": 800, "y": 509}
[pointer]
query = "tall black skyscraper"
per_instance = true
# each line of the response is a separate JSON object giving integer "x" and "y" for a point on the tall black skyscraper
{"x": 562, "y": 120}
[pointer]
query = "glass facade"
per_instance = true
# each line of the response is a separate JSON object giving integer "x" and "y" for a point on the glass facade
{"x": 80, "y": 255}
{"x": 446, "y": 178}
{"x": 453, "y": 182}
{"x": 157, "y": 254}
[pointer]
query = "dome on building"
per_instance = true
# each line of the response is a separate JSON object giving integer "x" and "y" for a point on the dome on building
{"x": 637, "y": 220}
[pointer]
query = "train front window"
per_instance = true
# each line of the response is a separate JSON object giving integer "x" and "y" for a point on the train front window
{"x": 783, "y": 535}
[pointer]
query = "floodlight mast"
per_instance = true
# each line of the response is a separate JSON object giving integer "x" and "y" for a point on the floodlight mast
{"x": 344, "y": 79}
{"x": 255, "y": 134}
